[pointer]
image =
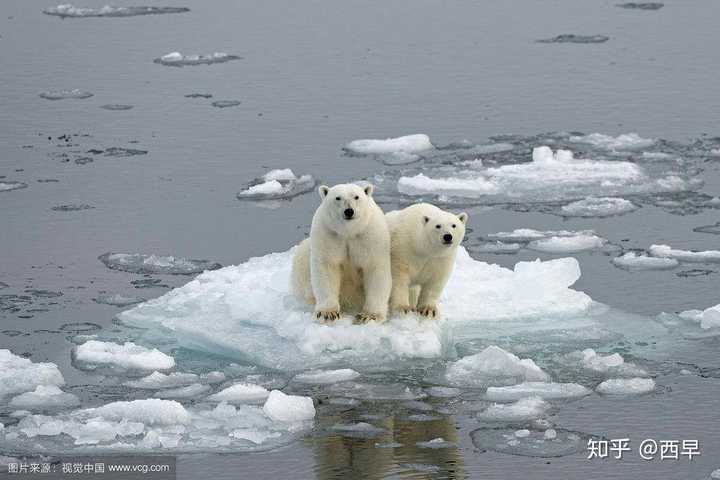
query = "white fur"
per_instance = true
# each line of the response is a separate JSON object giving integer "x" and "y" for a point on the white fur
{"x": 345, "y": 263}
{"x": 421, "y": 261}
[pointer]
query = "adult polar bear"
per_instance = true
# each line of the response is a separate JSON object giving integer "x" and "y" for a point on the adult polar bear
{"x": 424, "y": 243}
{"x": 346, "y": 261}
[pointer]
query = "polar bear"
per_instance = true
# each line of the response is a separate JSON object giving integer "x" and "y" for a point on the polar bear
{"x": 424, "y": 240}
{"x": 346, "y": 261}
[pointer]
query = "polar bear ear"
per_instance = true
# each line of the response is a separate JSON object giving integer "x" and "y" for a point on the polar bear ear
{"x": 369, "y": 189}
{"x": 323, "y": 191}
{"x": 463, "y": 217}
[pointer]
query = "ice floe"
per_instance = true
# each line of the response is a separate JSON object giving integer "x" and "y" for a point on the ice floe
{"x": 116, "y": 107}
{"x": 7, "y": 186}
{"x": 623, "y": 142}
{"x": 708, "y": 318}
{"x": 94, "y": 354}
{"x": 117, "y": 300}
{"x": 158, "y": 380}
{"x": 544, "y": 390}
{"x": 156, "y": 264}
{"x": 225, "y": 103}
{"x": 639, "y": 261}
{"x": 626, "y": 386}
{"x": 71, "y": 11}
{"x": 567, "y": 244}
{"x": 73, "y": 207}
{"x": 359, "y": 430}
{"x": 44, "y": 397}
{"x": 523, "y": 410}
{"x": 368, "y": 391}
{"x": 495, "y": 247}
{"x": 407, "y": 144}
{"x": 177, "y": 59}
{"x": 598, "y": 207}
{"x": 253, "y": 317}
{"x": 689, "y": 256}
{"x": 20, "y": 375}
{"x": 436, "y": 443}
{"x": 321, "y": 377}
{"x": 288, "y": 408}
{"x": 712, "y": 229}
{"x": 75, "y": 93}
{"x": 241, "y": 393}
{"x": 611, "y": 364}
{"x": 277, "y": 184}
{"x": 641, "y": 5}
{"x": 190, "y": 391}
{"x": 573, "y": 38}
{"x": 537, "y": 443}
{"x": 493, "y": 366}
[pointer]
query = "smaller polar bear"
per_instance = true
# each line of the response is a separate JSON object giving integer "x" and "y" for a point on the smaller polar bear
{"x": 424, "y": 240}
{"x": 346, "y": 261}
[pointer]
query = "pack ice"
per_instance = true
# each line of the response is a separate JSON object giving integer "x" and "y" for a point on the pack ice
{"x": 177, "y": 59}
{"x": 277, "y": 184}
{"x": 68, "y": 10}
{"x": 155, "y": 264}
{"x": 246, "y": 312}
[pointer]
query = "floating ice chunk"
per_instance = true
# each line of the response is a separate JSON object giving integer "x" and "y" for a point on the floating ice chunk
{"x": 225, "y": 103}
{"x": 367, "y": 391}
{"x": 690, "y": 256}
{"x": 570, "y": 244}
{"x": 177, "y": 59}
{"x": 493, "y": 366}
{"x": 20, "y": 375}
{"x": 443, "y": 392}
{"x": 321, "y": 377}
{"x": 408, "y": 144}
{"x": 288, "y": 408}
{"x": 529, "y": 234}
{"x": 598, "y": 207}
{"x": 626, "y": 141}
{"x": 7, "y": 186}
{"x": 360, "y": 430}
{"x": 708, "y": 318}
{"x": 156, "y": 264}
{"x": 92, "y": 354}
{"x": 73, "y": 207}
{"x": 550, "y": 176}
{"x": 158, "y": 380}
{"x": 255, "y": 436}
{"x": 399, "y": 158}
{"x": 626, "y": 386}
{"x": 712, "y": 229}
{"x": 393, "y": 445}
{"x": 641, "y": 6}
{"x": 67, "y": 10}
{"x": 522, "y": 433}
{"x": 117, "y": 299}
{"x": 241, "y": 393}
{"x": 538, "y": 443}
{"x": 613, "y": 364}
{"x": 194, "y": 390}
{"x": 521, "y": 411}
{"x": 44, "y": 397}
{"x": 495, "y": 247}
{"x": 636, "y": 261}
{"x": 117, "y": 107}
{"x": 277, "y": 184}
{"x": 546, "y": 391}
{"x": 436, "y": 443}
{"x": 572, "y": 38}
{"x": 63, "y": 94}
{"x": 149, "y": 411}
{"x": 213, "y": 377}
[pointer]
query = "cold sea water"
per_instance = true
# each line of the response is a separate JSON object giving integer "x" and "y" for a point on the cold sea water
{"x": 122, "y": 161}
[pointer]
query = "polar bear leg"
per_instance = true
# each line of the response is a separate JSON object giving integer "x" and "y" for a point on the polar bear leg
{"x": 326, "y": 278}
{"x": 301, "y": 286}
{"x": 377, "y": 282}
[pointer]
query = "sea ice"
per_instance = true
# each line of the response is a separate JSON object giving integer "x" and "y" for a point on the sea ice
{"x": 68, "y": 10}
{"x": 690, "y": 256}
{"x": 570, "y": 244}
{"x": 63, "y": 94}
{"x": 436, "y": 443}
{"x": 241, "y": 393}
{"x": 548, "y": 443}
{"x": 626, "y": 386}
{"x": 495, "y": 247}
{"x": 641, "y": 5}
{"x": 546, "y": 391}
{"x": 321, "y": 377}
{"x": 368, "y": 391}
{"x": 288, "y": 408}
{"x": 493, "y": 366}
{"x": 93, "y": 354}
{"x": 225, "y": 103}
{"x": 713, "y": 229}
{"x": 407, "y": 144}
{"x": 44, "y": 397}
{"x": 360, "y": 430}
{"x": 638, "y": 261}
{"x": 626, "y": 141}
{"x": 277, "y": 184}
{"x": 21, "y": 375}
{"x": 598, "y": 207}
{"x": 523, "y": 410}
{"x": 190, "y": 391}
{"x": 708, "y": 318}
{"x": 156, "y": 264}
{"x": 572, "y": 38}
{"x": 613, "y": 364}
{"x": 177, "y": 59}
{"x": 116, "y": 107}
{"x": 117, "y": 300}
{"x": 7, "y": 186}
{"x": 443, "y": 392}
{"x": 247, "y": 312}
{"x": 158, "y": 380}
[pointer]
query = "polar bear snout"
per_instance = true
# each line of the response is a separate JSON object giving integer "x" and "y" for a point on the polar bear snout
{"x": 447, "y": 239}
{"x": 348, "y": 213}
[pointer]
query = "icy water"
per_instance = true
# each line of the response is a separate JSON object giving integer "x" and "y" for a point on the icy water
{"x": 118, "y": 172}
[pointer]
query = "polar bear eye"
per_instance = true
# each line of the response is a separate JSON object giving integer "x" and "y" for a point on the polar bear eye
{"x": 357, "y": 198}
{"x": 337, "y": 198}
{"x": 437, "y": 226}
{"x": 453, "y": 225}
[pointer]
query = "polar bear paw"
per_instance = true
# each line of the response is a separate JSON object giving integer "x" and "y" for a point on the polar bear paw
{"x": 365, "y": 317}
{"x": 430, "y": 311}
{"x": 402, "y": 309}
{"x": 329, "y": 315}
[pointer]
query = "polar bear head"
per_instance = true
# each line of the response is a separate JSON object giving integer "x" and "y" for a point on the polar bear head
{"x": 347, "y": 208}
{"x": 442, "y": 231}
